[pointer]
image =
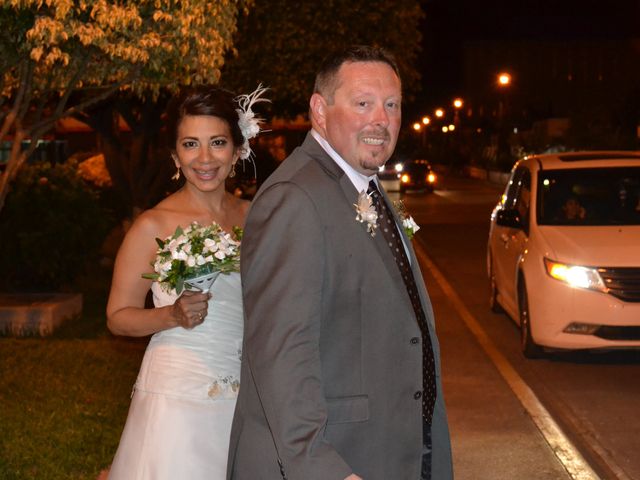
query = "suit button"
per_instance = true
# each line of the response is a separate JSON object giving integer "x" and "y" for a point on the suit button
{"x": 414, "y": 340}
{"x": 417, "y": 395}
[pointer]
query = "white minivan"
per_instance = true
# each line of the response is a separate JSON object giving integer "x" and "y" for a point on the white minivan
{"x": 563, "y": 254}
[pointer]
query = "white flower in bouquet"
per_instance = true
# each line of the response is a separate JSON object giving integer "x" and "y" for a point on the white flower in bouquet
{"x": 193, "y": 252}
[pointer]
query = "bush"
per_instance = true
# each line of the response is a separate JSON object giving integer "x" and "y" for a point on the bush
{"x": 51, "y": 226}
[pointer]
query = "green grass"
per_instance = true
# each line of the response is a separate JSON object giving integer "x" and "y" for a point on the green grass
{"x": 64, "y": 399}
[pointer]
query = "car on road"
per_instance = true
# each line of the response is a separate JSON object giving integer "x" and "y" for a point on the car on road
{"x": 417, "y": 175}
{"x": 563, "y": 254}
{"x": 401, "y": 176}
{"x": 389, "y": 175}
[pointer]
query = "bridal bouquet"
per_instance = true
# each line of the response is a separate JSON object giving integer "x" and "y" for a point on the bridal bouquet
{"x": 193, "y": 258}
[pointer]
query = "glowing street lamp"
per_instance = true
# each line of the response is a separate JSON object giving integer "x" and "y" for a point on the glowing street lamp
{"x": 445, "y": 129}
{"x": 504, "y": 83}
{"x": 416, "y": 126}
{"x": 457, "y": 105}
{"x": 439, "y": 113}
{"x": 426, "y": 120}
{"x": 452, "y": 127}
{"x": 504, "y": 79}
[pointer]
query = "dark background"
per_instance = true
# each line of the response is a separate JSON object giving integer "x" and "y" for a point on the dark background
{"x": 450, "y": 24}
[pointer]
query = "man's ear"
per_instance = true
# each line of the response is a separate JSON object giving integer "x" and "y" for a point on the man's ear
{"x": 318, "y": 110}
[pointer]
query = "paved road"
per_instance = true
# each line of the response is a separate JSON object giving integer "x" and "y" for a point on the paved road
{"x": 592, "y": 398}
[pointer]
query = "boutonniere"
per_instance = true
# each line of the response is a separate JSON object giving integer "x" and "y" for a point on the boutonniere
{"x": 367, "y": 213}
{"x": 408, "y": 223}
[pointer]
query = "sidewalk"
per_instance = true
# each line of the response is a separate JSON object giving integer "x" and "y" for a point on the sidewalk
{"x": 492, "y": 435}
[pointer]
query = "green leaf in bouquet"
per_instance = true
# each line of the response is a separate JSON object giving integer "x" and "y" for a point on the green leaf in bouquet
{"x": 179, "y": 285}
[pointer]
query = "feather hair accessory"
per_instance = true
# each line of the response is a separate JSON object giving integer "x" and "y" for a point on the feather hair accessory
{"x": 248, "y": 122}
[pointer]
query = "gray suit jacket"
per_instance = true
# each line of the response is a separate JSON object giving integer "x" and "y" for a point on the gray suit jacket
{"x": 329, "y": 371}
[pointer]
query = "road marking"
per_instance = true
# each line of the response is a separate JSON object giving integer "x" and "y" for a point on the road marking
{"x": 568, "y": 455}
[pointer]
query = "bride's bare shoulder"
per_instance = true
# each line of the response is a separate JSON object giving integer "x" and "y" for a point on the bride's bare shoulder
{"x": 159, "y": 221}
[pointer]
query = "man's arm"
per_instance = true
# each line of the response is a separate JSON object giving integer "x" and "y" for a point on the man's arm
{"x": 283, "y": 255}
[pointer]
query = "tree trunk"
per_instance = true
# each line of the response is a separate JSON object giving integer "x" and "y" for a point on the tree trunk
{"x": 17, "y": 157}
{"x": 139, "y": 168}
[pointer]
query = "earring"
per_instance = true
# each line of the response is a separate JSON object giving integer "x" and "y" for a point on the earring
{"x": 176, "y": 176}
{"x": 233, "y": 171}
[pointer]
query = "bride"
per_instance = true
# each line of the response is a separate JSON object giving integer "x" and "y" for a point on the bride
{"x": 184, "y": 398}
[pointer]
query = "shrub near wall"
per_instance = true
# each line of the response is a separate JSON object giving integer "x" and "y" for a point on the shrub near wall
{"x": 51, "y": 226}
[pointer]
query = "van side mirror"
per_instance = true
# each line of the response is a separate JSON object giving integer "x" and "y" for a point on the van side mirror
{"x": 508, "y": 217}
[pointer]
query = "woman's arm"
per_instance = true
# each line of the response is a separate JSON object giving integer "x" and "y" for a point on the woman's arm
{"x": 126, "y": 314}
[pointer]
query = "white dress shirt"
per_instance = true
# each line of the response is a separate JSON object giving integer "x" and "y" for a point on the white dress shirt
{"x": 359, "y": 180}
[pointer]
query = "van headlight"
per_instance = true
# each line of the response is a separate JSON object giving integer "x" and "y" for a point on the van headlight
{"x": 575, "y": 275}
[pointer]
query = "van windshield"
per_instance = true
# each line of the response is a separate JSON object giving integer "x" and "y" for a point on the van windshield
{"x": 593, "y": 196}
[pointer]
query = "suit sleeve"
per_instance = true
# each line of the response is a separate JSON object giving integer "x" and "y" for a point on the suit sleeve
{"x": 283, "y": 257}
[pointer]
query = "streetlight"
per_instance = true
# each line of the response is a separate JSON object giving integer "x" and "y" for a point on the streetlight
{"x": 426, "y": 120}
{"x": 504, "y": 82}
{"x": 439, "y": 113}
{"x": 504, "y": 79}
{"x": 416, "y": 126}
{"x": 457, "y": 105}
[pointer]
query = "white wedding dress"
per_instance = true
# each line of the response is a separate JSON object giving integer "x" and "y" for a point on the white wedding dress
{"x": 184, "y": 398}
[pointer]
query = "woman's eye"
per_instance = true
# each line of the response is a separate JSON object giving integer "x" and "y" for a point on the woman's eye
{"x": 362, "y": 104}
{"x": 189, "y": 144}
{"x": 219, "y": 142}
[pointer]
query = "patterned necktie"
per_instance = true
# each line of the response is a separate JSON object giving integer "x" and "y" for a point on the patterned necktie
{"x": 389, "y": 229}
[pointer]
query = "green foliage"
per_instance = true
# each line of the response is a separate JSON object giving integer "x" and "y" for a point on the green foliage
{"x": 59, "y": 58}
{"x": 143, "y": 45}
{"x": 51, "y": 227}
{"x": 282, "y": 42}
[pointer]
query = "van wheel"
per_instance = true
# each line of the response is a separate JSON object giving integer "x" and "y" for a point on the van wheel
{"x": 530, "y": 349}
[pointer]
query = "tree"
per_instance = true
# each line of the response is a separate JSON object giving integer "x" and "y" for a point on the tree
{"x": 281, "y": 43}
{"x": 60, "y": 57}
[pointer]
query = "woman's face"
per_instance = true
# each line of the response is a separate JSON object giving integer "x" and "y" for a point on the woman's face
{"x": 205, "y": 151}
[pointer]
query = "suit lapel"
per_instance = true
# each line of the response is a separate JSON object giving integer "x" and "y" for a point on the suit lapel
{"x": 350, "y": 195}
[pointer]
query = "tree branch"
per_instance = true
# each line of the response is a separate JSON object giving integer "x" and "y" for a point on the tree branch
{"x": 25, "y": 85}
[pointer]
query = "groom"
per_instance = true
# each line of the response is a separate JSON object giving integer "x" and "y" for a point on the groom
{"x": 340, "y": 367}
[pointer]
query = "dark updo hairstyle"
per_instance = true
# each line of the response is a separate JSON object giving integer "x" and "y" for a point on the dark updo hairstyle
{"x": 202, "y": 100}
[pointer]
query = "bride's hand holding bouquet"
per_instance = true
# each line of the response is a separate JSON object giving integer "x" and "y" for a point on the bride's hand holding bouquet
{"x": 188, "y": 262}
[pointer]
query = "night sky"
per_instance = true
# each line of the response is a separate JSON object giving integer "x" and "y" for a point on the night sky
{"x": 450, "y": 23}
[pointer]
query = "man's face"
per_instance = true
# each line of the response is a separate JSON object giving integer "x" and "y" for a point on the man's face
{"x": 363, "y": 121}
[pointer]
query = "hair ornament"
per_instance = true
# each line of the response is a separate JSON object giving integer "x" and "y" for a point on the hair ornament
{"x": 247, "y": 121}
